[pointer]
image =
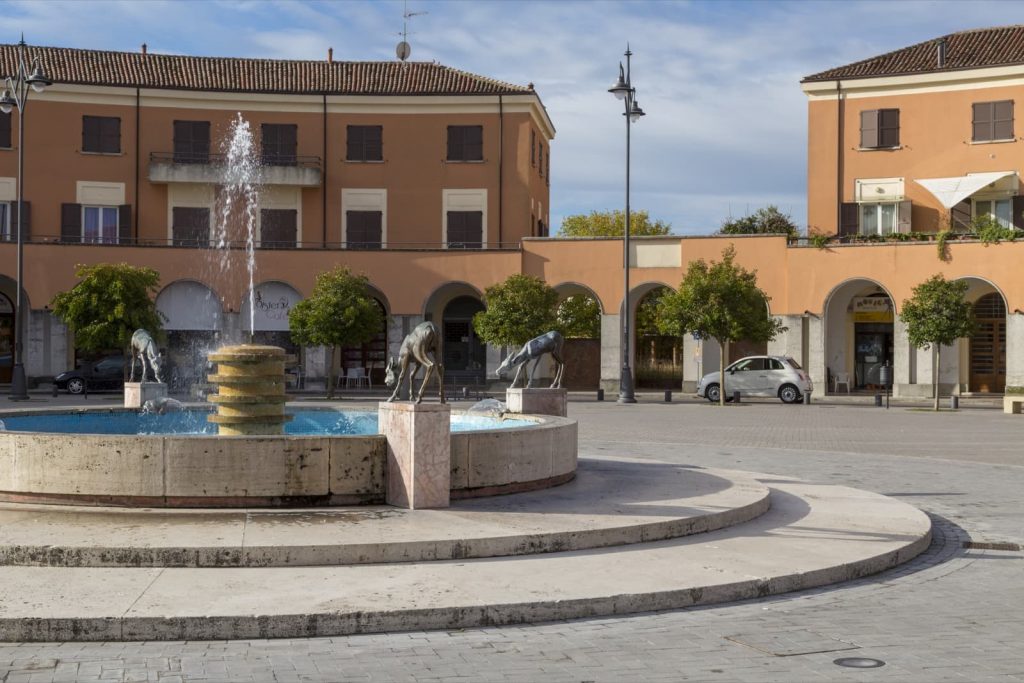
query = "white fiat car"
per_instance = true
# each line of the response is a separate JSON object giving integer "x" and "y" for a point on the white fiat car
{"x": 759, "y": 376}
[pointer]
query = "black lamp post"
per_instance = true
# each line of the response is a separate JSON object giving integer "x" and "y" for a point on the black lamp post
{"x": 15, "y": 94}
{"x": 624, "y": 90}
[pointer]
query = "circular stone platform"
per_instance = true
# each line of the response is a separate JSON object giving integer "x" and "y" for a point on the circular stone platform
{"x": 812, "y": 535}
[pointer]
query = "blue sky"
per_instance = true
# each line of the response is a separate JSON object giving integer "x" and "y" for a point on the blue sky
{"x": 726, "y": 126}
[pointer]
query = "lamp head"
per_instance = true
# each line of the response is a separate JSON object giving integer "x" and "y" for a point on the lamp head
{"x": 7, "y": 102}
{"x": 38, "y": 80}
{"x": 636, "y": 112}
{"x": 621, "y": 87}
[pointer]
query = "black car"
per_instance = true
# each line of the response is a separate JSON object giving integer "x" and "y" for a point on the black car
{"x": 105, "y": 373}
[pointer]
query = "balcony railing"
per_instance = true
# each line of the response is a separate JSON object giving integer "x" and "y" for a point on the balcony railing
{"x": 307, "y": 245}
{"x": 275, "y": 169}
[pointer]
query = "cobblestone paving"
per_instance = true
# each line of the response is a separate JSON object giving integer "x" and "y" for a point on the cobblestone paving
{"x": 952, "y": 614}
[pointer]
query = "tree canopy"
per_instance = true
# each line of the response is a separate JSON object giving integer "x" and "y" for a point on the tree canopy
{"x": 611, "y": 224}
{"x": 579, "y": 317}
{"x": 764, "y": 221}
{"x": 518, "y": 309}
{"x": 108, "y": 304}
{"x": 937, "y": 315}
{"x": 721, "y": 301}
{"x": 339, "y": 313}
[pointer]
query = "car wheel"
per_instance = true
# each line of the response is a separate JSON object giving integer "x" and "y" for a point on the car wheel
{"x": 713, "y": 393}
{"x": 789, "y": 394}
{"x": 76, "y": 385}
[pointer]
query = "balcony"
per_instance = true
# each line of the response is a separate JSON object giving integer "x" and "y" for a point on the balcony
{"x": 168, "y": 167}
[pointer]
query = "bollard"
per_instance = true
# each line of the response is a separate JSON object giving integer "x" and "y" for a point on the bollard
{"x": 465, "y": 392}
{"x": 878, "y": 400}
{"x": 668, "y": 397}
{"x": 954, "y": 402}
{"x": 54, "y": 392}
{"x": 85, "y": 389}
{"x": 600, "y": 394}
{"x": 807, "y": 398}
{"x": 736, "y": 397}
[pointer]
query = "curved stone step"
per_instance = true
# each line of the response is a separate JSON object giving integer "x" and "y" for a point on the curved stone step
{"x": 611, "y": 502}
{"x": 813, "y": 535}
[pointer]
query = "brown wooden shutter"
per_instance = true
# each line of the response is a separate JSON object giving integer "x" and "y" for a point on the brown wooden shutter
{"x": 533, "y": 146}
{"x": 474, "y": 143}
{"x": 465, "y": 229}
{"x": 541, "y": 157}
{"x": 869, "y": 129}
{"x": 354, "y": 143}
{"x": 70, "y": 222}
{"x": 454, "y": 143}
{"x": 191, "y": 142}
{"x": 1002, "y": 120}
{"x": 90, "y": 134}
{"x": 849, "y": 218}
{"x": 888, "y": 127}
{"x": 23, "y": 219}
{"x": 5, "y": 130}
{"x": 278, "y": 227}
{"x": 960, "y": 216}
{"x": 1018, "y": 212}
{"x": 124, "y": 223}
{"x": 374, "y": 143}
{"x": 110, "y": 135}
{"x": 981, "y": 121}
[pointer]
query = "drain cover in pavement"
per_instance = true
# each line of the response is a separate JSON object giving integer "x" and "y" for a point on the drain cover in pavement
{"x": 859, "y": 662}
{"x": 790, "y": 643}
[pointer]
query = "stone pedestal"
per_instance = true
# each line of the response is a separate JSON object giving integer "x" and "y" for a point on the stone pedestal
{"x": 137, "y": 393}
{"x": 419, "y": 470}
{"x": 537, "y": 401}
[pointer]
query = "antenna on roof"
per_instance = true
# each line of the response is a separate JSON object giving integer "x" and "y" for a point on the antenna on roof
{"x": 403, "y": 49}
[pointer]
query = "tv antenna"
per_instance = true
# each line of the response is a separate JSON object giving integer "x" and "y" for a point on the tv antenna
{"x": 403, "y": 50}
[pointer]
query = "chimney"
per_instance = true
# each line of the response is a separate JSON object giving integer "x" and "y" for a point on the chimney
{"x": 143, "y": 48}
{"x": 940, "y": 53}
{"x": 330, "y": 55}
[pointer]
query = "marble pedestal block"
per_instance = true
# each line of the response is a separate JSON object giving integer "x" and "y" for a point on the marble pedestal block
{"x": 537, "y": 401}
{"x": 419, "y": 470}
{"x": 137, "y": 393}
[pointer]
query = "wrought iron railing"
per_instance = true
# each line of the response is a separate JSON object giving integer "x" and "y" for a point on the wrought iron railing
{"x": 199, "y": 159}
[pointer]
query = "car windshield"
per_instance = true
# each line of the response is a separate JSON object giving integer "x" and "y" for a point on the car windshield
{"x": 793, "y": 364}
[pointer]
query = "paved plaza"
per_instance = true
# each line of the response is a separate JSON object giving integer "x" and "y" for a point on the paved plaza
{"x": 953, "y": 613}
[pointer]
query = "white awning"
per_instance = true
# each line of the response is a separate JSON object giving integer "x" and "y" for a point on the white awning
{"x": 952, "y": 191}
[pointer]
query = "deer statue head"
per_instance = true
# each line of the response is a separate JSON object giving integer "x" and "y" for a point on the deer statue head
{"x": 389, "y": 373}
{"x": 505, "y": 365}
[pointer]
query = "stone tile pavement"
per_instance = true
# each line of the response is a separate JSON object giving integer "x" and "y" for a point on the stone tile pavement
{"x": 951, "y": 614}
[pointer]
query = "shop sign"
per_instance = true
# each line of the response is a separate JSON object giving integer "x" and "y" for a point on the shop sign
{"x": 271, "y": 303}
{"x": 872, "y": 309}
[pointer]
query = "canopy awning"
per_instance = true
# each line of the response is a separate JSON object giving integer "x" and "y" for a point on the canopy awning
{"x": 952, "y": 191}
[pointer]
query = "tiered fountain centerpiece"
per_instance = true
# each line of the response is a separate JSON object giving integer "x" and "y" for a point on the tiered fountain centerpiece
{"x": 250, "y": 394}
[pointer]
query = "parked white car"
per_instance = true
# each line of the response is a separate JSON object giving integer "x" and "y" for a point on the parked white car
{"x": 759, "y": 376}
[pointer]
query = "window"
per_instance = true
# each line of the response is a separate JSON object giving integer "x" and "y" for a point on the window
{"x": 365, "y": 143}
{"x": 465, "y": 229}
{"x": 878, "y": 219}
{"x": 465, "y": 143}
{"x": 363, "y": 229}
{"x": 99, "y": 224}
{"x": 533, "y": 148}
{"x": 5, "y": 130}
{"x": 5, "y": 221}
{"x": 280, "y": 143}
{"x": 191, "y": 226}
{"x": 101, "y": 134}
{"x": 191, "y": 142}
{"x": 1000, "y": 210}
{"x": 278, "y": 227}
{"x": 992, "y": 121}
{"x": 749, "y": 365}
{"x": 880, "y": 128}
{"x": 547, "y": 171}
{"x": 774, "y": 364}
{"x": 540, "y": 153}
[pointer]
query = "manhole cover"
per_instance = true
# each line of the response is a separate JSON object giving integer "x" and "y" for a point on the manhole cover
{"x": 859, "y": 662}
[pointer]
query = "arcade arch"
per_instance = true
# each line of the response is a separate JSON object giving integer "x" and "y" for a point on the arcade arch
{"x": 579, "y": 315}
{"x": 193, "y": 320}
{"x": 982, "y": 357}
{"x": 465, "y": 356}
{"x": 860, "y": 334}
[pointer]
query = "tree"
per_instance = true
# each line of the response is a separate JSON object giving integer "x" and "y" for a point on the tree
{"x": 339, "y": 313}
{"x": 518, "y": 309}
{"x": 721, "y": 301}
{"x": 108, "y": 304}
{"x": 579, "y": 317}
{"x": 766, "y": 221}
{"x": 611, "y": 224}
{"x": 936, "y": 316}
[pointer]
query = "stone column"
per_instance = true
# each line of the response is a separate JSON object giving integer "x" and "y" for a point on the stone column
{"x": 1015, "y": 353}
{"x": 908, "y": 364}
{"x": 790, "y": 342}
{"x": 816, "y": 354}
{"x": 46, "y": 345}
{"x": 419, "y": 453}
{"x": 693, "y": 364}
{"x": 611, "y": 354}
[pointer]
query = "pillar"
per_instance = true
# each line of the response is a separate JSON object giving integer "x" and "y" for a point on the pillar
{"x": 419, "y": 453}
{"x": 1015, "y": 353}
{"x": 611, "y": 353}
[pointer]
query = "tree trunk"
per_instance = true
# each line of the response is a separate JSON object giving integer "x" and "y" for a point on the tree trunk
{"x": 935, "y": 376}
{"x": 721, "y": 372}
{"x": 330, "y": 371}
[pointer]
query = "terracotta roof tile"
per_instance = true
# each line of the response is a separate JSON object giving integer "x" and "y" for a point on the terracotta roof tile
{"x": 230, "y": 74}
{"x": 976, "y": 48}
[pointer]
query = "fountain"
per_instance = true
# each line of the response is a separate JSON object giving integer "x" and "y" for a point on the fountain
{"x": 250, "y": 397}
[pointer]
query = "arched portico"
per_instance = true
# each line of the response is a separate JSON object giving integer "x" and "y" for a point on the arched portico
{"x": 979, "y": 363}
{"x": 861, "y": 336}
{"x": 193, "y": 319}
{"x": 579, "y": 312}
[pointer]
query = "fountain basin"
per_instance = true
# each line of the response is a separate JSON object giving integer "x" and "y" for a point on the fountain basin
{"x": 206, "y": 470}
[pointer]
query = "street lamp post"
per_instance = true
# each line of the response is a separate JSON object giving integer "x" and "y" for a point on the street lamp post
{"x": 15, "y": 94}
{"x": 624, "y": 90}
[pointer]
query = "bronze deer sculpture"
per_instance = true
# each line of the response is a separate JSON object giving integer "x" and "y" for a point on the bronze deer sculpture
{"x": 417, "y": 349}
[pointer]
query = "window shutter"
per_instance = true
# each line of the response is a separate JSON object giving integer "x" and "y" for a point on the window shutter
{"x": 888, "y": 127}
{"x": 475, "y": 143}
{"x": 533, "y": 146}
{"x": 124, "y": 223}
{"x": 1002, "y": 120}
{"x": 5, "y": 130}
{"x": 70, "y": 222}
{"x": 375, "y": 143}
{"x": 960, "y": 216}
{"x": 869, "y": 129}
{"x": 354, "y": 143}
{"x": 1018, "y": 212}
{"x": 90, "y": 134}
{"x": 22, "y": 218}
{"x": 903, "y": 212}
{"x": 849, "y": 218}
{"x": 454, "y": 143}
{"x": 278, "y": 227}
{"x": 110, "y": 135}
{"x": 981, "y": 121}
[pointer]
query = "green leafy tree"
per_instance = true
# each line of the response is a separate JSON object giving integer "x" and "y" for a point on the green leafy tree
{"x": 579, "y": 317}
{"x": 721, "y": 301}
{"x": 518, "y": 309}
{"x": 339, "y": 313}
{"x": 936, "y": 316}
{"x": 611, "y": 224}
{"x": 108, "y": 304}
{"x": 766, "y": 221}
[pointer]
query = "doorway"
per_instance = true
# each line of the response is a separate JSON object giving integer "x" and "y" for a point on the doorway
{"x": 873, "y": 350}
{"x": 6, "y": 339}
{"x": 465, "y": 356}
{"x": 988, "y": 345}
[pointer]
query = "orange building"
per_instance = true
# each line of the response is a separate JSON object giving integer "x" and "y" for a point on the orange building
{"x": 434, "y": 183}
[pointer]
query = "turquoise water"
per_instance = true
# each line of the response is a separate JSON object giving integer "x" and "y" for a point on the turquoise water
{"x": 304, "y": 422}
